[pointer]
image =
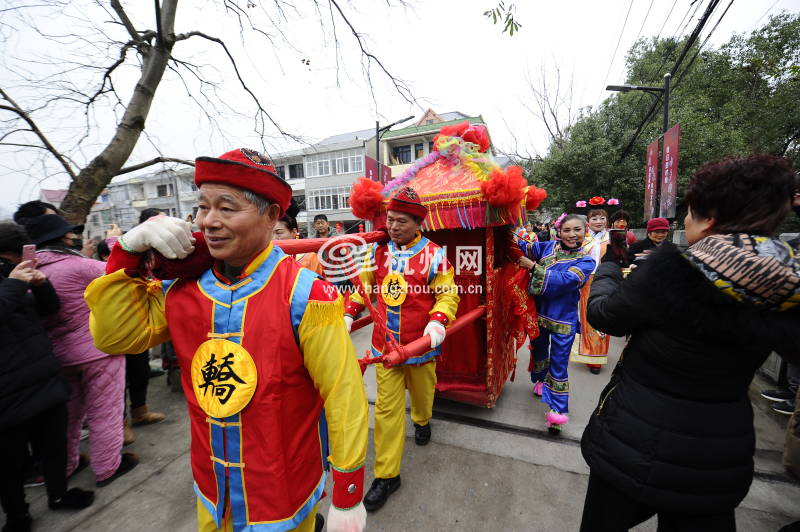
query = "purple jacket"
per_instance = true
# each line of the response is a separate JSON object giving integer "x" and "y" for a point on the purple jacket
{"x": 70, "y": 273}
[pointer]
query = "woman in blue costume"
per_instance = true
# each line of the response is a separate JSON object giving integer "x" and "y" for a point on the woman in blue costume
{"x": 559, "y": 268}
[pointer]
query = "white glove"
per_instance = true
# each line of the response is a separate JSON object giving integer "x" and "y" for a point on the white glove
{"x": 172, "y": 237}
{"x": 352, "y": 520}
{"x": 348, "y": 322}
{"x": 436, "y": 331}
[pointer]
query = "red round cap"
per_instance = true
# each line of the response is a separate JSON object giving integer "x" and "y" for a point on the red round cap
{"x": 408, "y": 201}
{"x": 246, "y": 169}
{"x": 657, "y": 224}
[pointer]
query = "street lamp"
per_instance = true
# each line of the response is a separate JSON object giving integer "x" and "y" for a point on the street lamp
{"x": 655, "y": 91}
{"x": 652, "y": 90}
{"x": 380, "y": 131}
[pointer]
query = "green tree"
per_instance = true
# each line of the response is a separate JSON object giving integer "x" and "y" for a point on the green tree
{"x": 736, "y": 100}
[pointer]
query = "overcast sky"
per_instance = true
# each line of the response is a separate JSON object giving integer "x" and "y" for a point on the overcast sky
{"x": 450, "y": 55}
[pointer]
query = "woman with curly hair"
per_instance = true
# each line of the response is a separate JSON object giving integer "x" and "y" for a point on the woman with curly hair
{"x": 673, "y": 434}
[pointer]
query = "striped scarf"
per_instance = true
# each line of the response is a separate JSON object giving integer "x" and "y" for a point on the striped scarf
{"x": 754, "y": 270}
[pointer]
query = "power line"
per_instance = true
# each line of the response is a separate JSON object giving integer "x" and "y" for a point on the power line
{"x": 622, "y": 31}
{"x": 664, "y": 25}
{"x": 689, "y": 43}
{"x": 765, "y": 14}
{"x": 668, "y": 54}
{"x": 640, "y": 28}
{"x": 685, "y": 70}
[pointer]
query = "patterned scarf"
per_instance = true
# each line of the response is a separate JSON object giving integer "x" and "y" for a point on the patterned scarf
{"x": 754, "y": 270}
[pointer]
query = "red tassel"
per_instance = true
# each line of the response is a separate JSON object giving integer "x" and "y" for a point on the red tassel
{"x": 534, "y": 197}
{"x": 366, "y": 199}
{"x": 504, "y": 189}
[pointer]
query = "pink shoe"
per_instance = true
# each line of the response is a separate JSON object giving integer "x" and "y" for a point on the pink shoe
{"x": 537, "y": 389}
{"x": 555, "y": 421}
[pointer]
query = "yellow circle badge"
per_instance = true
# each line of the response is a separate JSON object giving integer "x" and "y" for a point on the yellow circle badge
{"x": 394, "y": 289}
{"x": 224, "y": 377}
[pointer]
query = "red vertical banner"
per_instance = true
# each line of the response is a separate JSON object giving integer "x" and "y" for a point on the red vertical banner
{"x": 669, "y": 171}
{"x": 651, "y": 180}
{"x": 371, "y": 171}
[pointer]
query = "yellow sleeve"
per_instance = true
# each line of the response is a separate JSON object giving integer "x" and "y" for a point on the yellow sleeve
{"x": 126, "y": 313}
{"x": 367, "y": 277}
{"x": 330, "y": 358}
{"x": 446, "y": 294}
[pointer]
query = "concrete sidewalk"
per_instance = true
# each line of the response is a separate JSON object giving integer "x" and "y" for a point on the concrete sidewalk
{"x": 484, "y": 469}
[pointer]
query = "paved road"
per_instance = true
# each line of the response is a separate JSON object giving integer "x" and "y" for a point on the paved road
{"x": 484, "y": 470}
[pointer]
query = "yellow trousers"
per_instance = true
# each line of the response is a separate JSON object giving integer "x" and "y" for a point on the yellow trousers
{"x": 205, "y": 523}
{"x": 390, "y": 411}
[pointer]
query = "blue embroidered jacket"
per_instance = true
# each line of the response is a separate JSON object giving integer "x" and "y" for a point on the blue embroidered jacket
{"x": 556, "y": 281}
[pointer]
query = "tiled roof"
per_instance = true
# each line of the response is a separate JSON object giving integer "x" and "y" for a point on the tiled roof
{"x": 364, "y": 134}
{"x": 416, "y": 130}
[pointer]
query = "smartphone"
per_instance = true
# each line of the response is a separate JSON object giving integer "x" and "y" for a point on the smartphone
{"x": 29, "y": 253}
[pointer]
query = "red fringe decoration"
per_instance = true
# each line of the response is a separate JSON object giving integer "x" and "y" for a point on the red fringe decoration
{"x": 534, "y": 198}
{"x": 366, "y": 198}
{"x": 504, "y": 189}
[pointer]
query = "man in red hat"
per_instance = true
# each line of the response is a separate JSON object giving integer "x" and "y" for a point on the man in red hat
{"x": 657, "y": 231}
{"x": 262, "y": 349}
{"x": 413, "y": 282}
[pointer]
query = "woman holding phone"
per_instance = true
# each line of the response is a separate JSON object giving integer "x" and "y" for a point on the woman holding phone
{"x": 673, "y": 434}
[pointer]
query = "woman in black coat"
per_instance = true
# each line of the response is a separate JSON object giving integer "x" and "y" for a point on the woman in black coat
{"x": 673, "y": 431}
{"x": 33, "y": 394}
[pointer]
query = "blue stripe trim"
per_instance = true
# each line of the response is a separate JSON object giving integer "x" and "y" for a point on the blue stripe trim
{"x": 165, "y": 285}
{"x": 436, "y": 263}
{"x": 243, "y": 289}
{"x": 218, "y": 451}
{"x": 424, "y": 357}
{"x": 302, "y": 288}
{"x": 410, "y": 252}
{"x": 323, "y": 435}
{"x": 236, "y": 474}
{"x": 294, "y": 521}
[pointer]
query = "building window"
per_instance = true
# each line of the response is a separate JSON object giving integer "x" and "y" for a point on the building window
{"x": 194, "y": 187}
{"x": 429, "y": 121}
{"x": 318, "y": 165}
{"x": 281, "y": 171}
{"x": 329, "y": 199}
{"x": 295, "y": 171}
{"x": 401, "y": 154}
{"x": 165, "y": 190}
{"x": 419, "y": 151}
{"x": 95, "y": 219}
{"x": 105, "y": 217}
{"x": 430, "y": 147}
{"x": 349, "y": 161}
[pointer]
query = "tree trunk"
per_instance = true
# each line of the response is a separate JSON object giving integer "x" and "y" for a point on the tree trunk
{"x": 91, "y": 180}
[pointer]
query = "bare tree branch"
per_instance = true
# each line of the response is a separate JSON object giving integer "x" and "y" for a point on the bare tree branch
{"x": 14, "y": 108}
{"x": 151, "y": 162}
{"x": 399, "y": 85}
{"x": 123, "y": 17}
{"x": 261, "y": 110}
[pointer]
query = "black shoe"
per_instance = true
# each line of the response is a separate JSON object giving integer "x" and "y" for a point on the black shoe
{"x": 156, "y": 372}
{"x": 128, "y": 462}
{"x": 319, "y": 523}
{"x": 20, "y": 523}
{"x": 595, "y": 371}
{"x": 422, "y": 434}
{"x": 777, "y": 395}
{"x": 784, "y": 407}
{"x": 379, "y": 491}
{"x": 791, "y": 527}
{"x": 73, "y": 499}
